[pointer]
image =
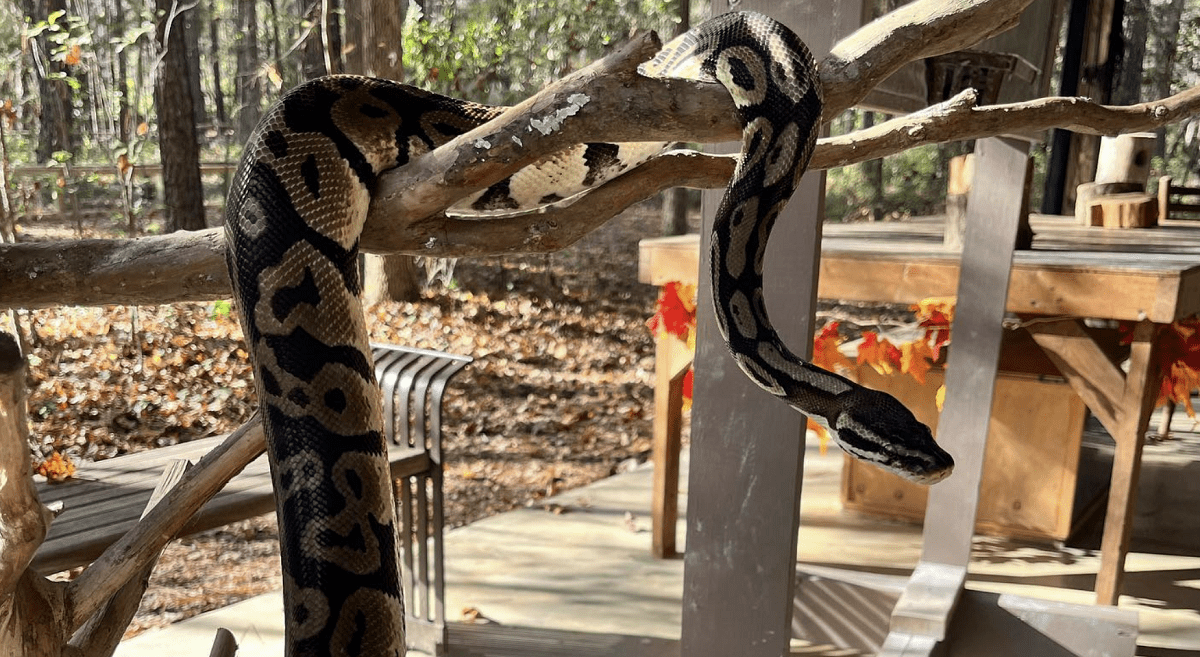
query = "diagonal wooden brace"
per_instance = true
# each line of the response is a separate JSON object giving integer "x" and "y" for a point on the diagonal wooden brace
{"x": 1123, "y": 403}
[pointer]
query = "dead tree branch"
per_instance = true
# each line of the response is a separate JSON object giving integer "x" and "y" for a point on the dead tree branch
{"x": 124, "y": 560}
{"x": 190, "y": 266}
{"x": 407, "y": 213}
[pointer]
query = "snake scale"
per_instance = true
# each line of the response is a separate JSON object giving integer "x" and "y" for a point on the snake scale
{"x": 295, "y": 210}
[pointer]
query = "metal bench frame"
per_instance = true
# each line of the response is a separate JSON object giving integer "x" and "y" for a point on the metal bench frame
{"x": 106, "y": 498}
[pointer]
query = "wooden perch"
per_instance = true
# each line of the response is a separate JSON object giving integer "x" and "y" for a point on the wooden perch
{"x": 37, "y": 616}
{"x": 31, "y": 609}
{"x": 124, "y": 560}
{"x": 23, "y": 519}
{"x": 190, "y": 266}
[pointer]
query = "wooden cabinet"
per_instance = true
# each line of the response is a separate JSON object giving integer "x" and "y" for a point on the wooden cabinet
{"x": 1030, "y": 469}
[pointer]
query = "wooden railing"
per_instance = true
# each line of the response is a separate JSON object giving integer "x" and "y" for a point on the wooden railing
{"x": 1171, "y": 201}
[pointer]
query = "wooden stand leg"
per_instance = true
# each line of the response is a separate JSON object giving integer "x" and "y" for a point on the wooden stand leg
{"x": 1141, "y": 391}
{"x": 670, "y": 364}
{"x": 1122, "y": 403}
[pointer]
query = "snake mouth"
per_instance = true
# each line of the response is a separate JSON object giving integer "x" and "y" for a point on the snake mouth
{"x": 931, "y": 477}
{"x": 927, "y": 467}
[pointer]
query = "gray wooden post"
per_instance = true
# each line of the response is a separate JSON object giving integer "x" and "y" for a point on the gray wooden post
{"x": 921, "y": 617}
{"x": 748, "y": 447}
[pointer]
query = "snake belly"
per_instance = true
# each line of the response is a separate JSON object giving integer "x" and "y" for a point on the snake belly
{"x": 296, "y": 207}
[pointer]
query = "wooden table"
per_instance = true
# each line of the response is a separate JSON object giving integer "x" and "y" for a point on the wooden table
{"x": 1149, "y": 277}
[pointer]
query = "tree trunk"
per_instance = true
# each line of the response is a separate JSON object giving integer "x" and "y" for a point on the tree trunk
{"x": 675, "y": 201}
{"x": 55, "y": 130}
{"x": 355, "y": 36}
{"x": 1166, "y": 37}
{"x": 183, "y": 194}
{"x": 121, "y": 83}
{"x": 332, "y": 36}
{"x": 276, "y": 48}
{"x": 1137, "y": 25}
{"x": 214, "y": 56}
{"x": 392, "y": 277}
{"x": 873, "y": 174}
{"x": 249, "y": 90}
{"x": 191, "y": 23}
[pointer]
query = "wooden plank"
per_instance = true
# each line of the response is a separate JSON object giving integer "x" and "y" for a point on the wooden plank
{"x": 671, "y": 359}
{"x": 1030, "y": 467}
{"x": 108, "y": 497}
{"x": 1103, "y": 284}
{"x": 747, "y": 447}
{"x": 993, "y": 214}
{"x": 667, "y": 259}
{"x": 1141, "y": 391}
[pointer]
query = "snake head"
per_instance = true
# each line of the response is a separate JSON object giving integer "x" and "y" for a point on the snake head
{"x": 874, "y": 427}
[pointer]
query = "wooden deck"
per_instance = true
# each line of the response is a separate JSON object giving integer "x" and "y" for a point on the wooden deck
{"x": 581, "y": 583}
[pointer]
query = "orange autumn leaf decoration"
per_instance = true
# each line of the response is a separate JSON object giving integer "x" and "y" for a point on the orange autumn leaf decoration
{"x": 56, "y": 468}
{"x": 1178, "y": 360}
{"x": 916, "y": 358}
{"x": 935, "y": 315}
{"x": 879, "y": 353}
{"x": 675, "y": 313}
{"x": 826, "y": 354}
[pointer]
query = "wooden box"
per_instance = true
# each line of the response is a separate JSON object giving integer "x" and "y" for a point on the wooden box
{"x": 1030, "y": 469}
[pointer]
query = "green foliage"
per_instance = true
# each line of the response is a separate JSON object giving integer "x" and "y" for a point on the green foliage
{"x": 502, "y": 52}
{"x": 913, "y": 182}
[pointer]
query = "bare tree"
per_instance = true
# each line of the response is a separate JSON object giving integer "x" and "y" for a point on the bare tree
{"x": 55, "y": 130}
{"x": 184, "y": 195}
{"x": 249, "y": 82}
{"x": 378, "y": 51}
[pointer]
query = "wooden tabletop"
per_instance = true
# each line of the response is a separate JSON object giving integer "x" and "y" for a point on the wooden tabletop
{"x": 1075, "y": 271}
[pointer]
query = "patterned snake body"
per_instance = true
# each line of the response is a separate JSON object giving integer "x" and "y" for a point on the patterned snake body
{"x": 295, "y": 210}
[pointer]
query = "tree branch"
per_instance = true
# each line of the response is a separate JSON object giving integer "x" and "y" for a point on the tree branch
{"x": 190, "y": 266}
{"x": 959, "y": 119}
{"x": 23, "y": 519}
{"x": 925, "y": 28}
{"x": 124, "y": 560}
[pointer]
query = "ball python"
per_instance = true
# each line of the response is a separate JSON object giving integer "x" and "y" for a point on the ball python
{"x": 296, "y": 207}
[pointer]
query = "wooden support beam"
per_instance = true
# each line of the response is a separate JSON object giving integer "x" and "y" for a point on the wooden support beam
{"x": 1140, "y": 393}
{"x": 924, "y": 612}
{"x": 747, "y": 451}
{"x": 671, "y": 361}
{"x": 1086, "y": 367}
{"x": 1123, "y": 404}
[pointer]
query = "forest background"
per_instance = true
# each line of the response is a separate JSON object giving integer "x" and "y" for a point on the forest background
{"x": 79, "y": 83}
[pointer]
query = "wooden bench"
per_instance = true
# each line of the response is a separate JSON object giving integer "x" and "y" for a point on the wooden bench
{"x": 1170, "y": 201}
{"x": 105, "y": 498}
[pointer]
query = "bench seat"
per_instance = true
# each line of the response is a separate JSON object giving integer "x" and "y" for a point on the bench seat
{"x": 106, "y": 498}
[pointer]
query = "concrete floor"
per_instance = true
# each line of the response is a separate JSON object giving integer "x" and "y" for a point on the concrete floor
{"x": 574, "y": 577}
